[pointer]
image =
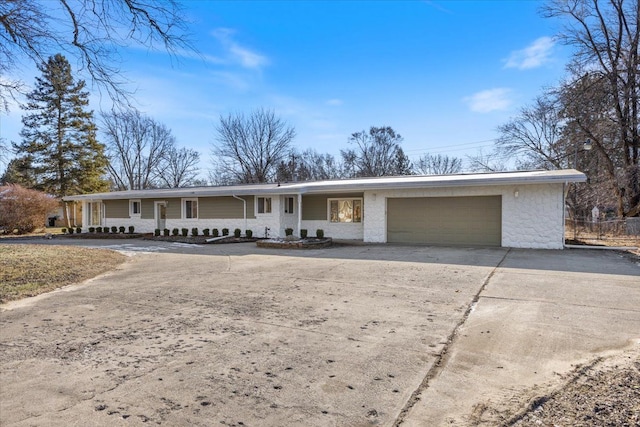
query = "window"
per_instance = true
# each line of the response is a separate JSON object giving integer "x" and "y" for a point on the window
{"x": 264, "y": 205}
{"x": 345, "y": 210}
{"x": 94, "y": 213}
{"x": 190, "y": 208}
{"x": 135, "y": 207}
{"x": 288, "y": 205}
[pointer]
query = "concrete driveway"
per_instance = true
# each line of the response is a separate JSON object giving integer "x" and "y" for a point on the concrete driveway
{"x": 350, "y": 336}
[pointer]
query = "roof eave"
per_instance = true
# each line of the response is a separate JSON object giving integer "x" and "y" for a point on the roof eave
{"x": 559, "y": 177}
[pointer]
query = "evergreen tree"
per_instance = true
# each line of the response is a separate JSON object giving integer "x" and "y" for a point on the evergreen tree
{"x": 59, "y": 134}
{"x": 19, "y": 171}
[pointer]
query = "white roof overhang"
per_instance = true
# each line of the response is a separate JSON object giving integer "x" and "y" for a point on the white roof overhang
{"x": 351, "y": 185}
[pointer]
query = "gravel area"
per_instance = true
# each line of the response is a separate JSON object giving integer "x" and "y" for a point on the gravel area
{"x": 602, "y": 393}
{"x": 595, "y": 395}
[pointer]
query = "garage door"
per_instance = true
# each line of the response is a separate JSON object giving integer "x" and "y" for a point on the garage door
{"x": 456, "y": 221}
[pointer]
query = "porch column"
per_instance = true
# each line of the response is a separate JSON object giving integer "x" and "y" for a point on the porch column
{"x": 299, "y": 213}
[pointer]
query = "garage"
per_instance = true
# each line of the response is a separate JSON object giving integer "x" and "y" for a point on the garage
{"x": 450, "y": 221}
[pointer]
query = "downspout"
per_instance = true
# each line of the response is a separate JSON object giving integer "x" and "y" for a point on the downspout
{"x": 245, "y": 210}
{"x": 565, "y": 191}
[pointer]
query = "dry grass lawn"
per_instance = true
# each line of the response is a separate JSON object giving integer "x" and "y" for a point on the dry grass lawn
{"x": 29, "y": 270}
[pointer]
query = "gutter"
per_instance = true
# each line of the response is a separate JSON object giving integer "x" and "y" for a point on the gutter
{"x": 245, "y": 210}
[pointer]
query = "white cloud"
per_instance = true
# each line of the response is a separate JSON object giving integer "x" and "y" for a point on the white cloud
{"x": 238, "y": 53}
{"x": 183, "y": 53}
{"x": 489, "y": 100}
{"x": 335, "y": 102}
{"x": 535, "y": 55}
{"x": 232, "y": 80}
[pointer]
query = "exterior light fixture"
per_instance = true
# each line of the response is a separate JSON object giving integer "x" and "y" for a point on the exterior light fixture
{"x": 586, "y": 146}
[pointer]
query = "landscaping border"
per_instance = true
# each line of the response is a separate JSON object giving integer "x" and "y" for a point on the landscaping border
{"x": 310, "y": 243}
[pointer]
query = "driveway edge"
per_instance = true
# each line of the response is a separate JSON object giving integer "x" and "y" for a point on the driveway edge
{"x": 442, "y": 358}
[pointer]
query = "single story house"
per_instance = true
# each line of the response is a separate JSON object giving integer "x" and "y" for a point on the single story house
{"x": 510, "y": 209}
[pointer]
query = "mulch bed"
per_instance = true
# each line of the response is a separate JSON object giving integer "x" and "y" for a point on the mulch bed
{"x": 309, "y": 243}
{"x": 201, "y": 240}
{"x": 99, "y": 236}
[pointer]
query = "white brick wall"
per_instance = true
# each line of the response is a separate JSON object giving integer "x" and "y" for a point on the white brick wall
{"x": 534, "y": 219}
{"x": 342, "y": 230}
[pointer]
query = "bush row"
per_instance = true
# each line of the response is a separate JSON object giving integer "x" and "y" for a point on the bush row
{"x": 114, "y": 230}
{"x": 214, "y": 232}
{"x": 304, "y": 233}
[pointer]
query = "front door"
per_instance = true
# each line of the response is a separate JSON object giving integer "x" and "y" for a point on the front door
{"x": 161, "y": 215}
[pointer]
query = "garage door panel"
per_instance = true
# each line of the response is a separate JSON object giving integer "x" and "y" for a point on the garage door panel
{"x": 445, "y": 220}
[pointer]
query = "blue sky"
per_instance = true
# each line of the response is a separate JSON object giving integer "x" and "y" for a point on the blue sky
{"x": 443, "y": 74}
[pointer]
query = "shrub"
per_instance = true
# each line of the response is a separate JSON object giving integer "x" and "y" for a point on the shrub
{"x": 156, "y": 232}
{"x": 237, "y": 233}
{"x": 114, "y": 229}
{"x": 99, "y": 230}
{"x": 225, "y": 231}
{"x": 185, "y": 232}
{"x": 70, "y": 230}
{"x": 165, "y": 232}
{"x": 105, "y": 229}
{"x": 131, "y": 229}
{"x": 288, "y": 231}
{"x": 23, "y": 210}
{"x": 303, "y": 233}
{"x": 78, "y": 230}
{"x": 215, "y": 232}
{"x": 175, "y": 232}
{"x": 194, "y": 231}
{"x": 121, "y": 229}
{"x": 206, "y": 232}
{"x": 64, "y": 231}
{"x": 248, "y": 233}
{"x": 320, "y": 233}
{"x": 92, "y": 229}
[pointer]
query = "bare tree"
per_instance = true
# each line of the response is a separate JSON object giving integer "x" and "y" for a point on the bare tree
{"x": 535, "y": 137}
{"x": 377, "y": 153}
{"x": 293, "y": 168}
{"x": 179, "y": 168}
{"x": 486, "y": 162}
{"x": 438, "y": 165}
{"x": 321, "y": 166}
{"x": 602, "y": 99}
{"x": 89, "y": 30}
{"x": 137, "y": 146}
{"x": 308, "y": 166}
{"x": 250, "y": 148}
